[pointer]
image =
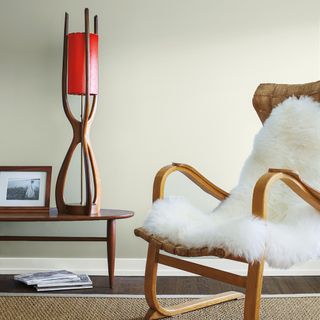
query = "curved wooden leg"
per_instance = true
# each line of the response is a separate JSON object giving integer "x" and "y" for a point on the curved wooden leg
{"x": 253, "y": 291}
{"x": 156, "y": 311}
{"x": 152, "y": 315}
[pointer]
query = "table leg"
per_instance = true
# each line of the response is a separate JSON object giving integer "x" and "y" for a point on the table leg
{"x": 111, "y": 249}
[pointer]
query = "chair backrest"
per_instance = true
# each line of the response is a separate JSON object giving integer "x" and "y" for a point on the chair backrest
{"x": 269, "y": 95}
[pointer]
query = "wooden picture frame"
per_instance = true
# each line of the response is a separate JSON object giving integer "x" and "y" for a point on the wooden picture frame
{"x": 25, "y": 189}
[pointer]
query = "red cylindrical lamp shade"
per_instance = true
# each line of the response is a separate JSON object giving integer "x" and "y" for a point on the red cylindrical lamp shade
{"x": 77, "y": 63}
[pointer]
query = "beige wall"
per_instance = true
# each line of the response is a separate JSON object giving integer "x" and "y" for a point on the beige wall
{"x": 176, "y": 81}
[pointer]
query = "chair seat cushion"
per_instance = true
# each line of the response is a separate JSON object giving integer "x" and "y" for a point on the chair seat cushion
{"x": 183, "y": 251}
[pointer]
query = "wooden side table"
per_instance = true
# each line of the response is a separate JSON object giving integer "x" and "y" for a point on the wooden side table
{"x": 108, "y": 215}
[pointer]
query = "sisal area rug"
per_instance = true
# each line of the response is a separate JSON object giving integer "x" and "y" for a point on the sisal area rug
{"x": 117, "y": 308}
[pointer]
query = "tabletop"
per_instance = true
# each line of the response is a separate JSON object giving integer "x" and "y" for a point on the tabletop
{"x": 53, "y": 215}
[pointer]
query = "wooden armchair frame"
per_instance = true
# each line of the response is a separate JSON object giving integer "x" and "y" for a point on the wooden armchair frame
{"x": 252, "y": 283}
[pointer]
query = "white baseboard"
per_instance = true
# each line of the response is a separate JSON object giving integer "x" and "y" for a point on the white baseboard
{"x": 135, "y": 266}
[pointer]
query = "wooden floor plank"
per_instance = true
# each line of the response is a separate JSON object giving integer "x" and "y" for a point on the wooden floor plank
{"x": 178, "y": 285}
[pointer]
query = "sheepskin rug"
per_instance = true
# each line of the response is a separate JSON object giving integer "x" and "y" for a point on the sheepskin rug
{"x": 290, "y": 139}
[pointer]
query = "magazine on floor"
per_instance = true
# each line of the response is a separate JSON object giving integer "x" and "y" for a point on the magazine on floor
{"x": 63, "y": 288}
{"x": 83, "y": 280}
{"x": 37, "y": 277}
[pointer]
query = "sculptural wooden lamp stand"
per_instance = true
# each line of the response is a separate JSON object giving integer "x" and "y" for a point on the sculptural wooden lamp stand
{"x": 80, "y": 77}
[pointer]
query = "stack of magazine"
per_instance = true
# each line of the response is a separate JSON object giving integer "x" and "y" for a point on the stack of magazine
{"x": 55, "y": 280}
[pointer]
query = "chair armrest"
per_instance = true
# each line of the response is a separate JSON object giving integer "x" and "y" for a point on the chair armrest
{"x": 292, "y": 180}
{"x": 189, "y": 172}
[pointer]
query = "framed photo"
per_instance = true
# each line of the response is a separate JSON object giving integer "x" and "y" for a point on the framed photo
{"x": 25, "y": 189}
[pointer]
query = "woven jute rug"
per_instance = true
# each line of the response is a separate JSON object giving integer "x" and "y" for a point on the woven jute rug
{"x": 117, "y": 308}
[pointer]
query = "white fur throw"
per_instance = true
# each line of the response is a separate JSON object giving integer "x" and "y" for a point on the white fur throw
{"x": 289, "y": 139}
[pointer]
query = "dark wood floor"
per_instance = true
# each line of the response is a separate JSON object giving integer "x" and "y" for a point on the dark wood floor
{"x": 177, "y": 285}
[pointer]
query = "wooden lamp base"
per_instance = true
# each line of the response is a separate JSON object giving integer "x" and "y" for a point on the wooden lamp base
{"x": 77, "y": 209}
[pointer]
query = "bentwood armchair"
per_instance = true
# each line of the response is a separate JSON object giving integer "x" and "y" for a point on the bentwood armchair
{"x": 266, "y": 97}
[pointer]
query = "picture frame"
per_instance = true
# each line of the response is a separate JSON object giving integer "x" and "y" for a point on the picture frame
{"x": 25, "y": 189}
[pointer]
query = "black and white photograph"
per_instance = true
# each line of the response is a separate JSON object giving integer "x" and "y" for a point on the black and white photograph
{"x": 23, "y": 189}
